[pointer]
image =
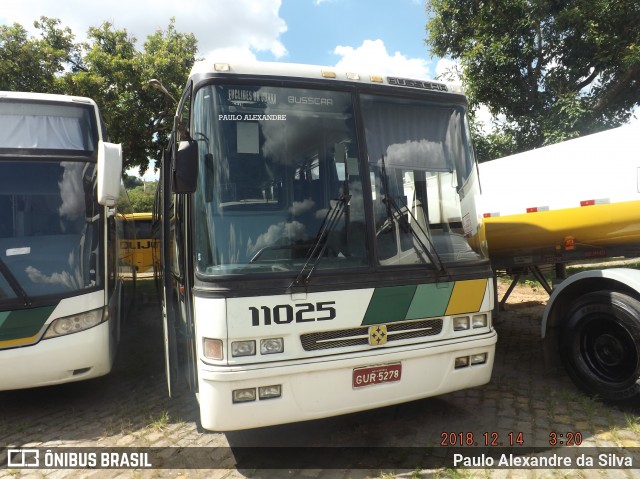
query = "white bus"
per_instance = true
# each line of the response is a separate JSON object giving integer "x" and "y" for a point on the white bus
{"x": 60, "y": 293}
{"x": 321, "y": 247}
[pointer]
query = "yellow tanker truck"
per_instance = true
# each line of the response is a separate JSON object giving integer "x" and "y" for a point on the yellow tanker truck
{"x": 567, "y": 203}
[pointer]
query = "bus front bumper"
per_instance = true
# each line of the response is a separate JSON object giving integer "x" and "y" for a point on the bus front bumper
{"x": 325, "y": 388}
{"x": 73, "y": 357}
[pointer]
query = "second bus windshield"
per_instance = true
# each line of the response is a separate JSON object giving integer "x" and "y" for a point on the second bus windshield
{"x": 276, "y": 164}
{"x": 49, "y": 229}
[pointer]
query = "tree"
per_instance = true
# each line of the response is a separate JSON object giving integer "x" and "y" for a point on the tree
{"x": 552, "y": 69}
{"x": 116, "y": 76}
{"x": 168, "y": 57}
{"x": 112, "y": 78}
{"x": 35, "y": 64}
{"x": 108, "y": 68}
{"x": 131, "y": 182}
{"x": 142, "y": 197}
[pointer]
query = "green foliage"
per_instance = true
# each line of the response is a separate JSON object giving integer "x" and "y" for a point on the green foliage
{"x": 108, "y": 68}
{"x": 34, "y": 64}
{"x": 141, "y": 197}
{"x": 553, "y": 70}
{"x": 131, "y": 182}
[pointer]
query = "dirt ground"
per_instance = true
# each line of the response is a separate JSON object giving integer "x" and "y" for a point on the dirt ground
{"x": 529, "y": 292}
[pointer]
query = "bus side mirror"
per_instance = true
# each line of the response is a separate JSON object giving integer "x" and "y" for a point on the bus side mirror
{"x": 185, "y": 167}
{"x": 109, "y": 172}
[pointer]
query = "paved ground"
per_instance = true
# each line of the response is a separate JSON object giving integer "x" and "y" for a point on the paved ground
{"x": 129, "y": 408}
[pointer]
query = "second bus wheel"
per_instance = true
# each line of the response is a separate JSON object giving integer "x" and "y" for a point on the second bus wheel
{"x": 600, "y": 346}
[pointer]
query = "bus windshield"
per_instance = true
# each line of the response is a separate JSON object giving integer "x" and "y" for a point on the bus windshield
{"x": 282, "y": 182}
{"x": 49, "y": 229}
{"x": 279, "y": 177}
{"x": 419, "y": 163}
{"x": 41, "y": 125}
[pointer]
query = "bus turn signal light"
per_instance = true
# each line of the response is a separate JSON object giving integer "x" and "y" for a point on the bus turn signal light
{"x": 212, "y": 348}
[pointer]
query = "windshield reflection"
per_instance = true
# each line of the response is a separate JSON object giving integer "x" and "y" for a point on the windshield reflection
{"x": 276, "y": 161}
{"x": 49, "y": 228}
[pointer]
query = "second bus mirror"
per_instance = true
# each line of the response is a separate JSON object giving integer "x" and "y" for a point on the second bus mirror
{"x": 109, "y": 172}
{"x": 185, "y": 167}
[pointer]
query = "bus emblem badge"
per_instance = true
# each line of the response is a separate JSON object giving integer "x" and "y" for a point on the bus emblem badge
{"x": 377, "y": 335}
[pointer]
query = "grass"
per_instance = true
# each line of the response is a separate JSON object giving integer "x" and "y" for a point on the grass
{"x": 633, "y": 422}
{"x": 590, "y": 405}
{"x": 416, "y": 474}
{"x": 614, "y": 433}
{"x": 450, "y": 473}
{"x": 161, "y": 422}
{"x": 386, "y": 475}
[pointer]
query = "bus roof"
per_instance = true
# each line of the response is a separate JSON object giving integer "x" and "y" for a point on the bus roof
{"x": 318, "y": 72}
{"x": 17, "y": 95}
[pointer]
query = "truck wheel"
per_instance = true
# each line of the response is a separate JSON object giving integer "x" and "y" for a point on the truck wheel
{"x": 600, "y": 346}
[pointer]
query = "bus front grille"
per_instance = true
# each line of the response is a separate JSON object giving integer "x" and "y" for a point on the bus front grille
{"x": 343, "y": 338}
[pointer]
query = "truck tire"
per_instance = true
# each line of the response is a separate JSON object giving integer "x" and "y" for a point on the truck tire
{"x": 600, "y": 346}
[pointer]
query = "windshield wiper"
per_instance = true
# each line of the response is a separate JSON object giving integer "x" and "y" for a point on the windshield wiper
{"x": 319, "y": 245}
{"x": 331, "y": 219}
{"x": 14, "y": 284}
{"x": 394, "y": 213}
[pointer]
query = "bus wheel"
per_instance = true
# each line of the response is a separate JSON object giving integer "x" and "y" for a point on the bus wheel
{"x": 600, "y": 346}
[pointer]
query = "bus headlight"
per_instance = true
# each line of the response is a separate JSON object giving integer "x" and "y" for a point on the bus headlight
{"x": 270, "y": 392}
{"x": 461, "y": 362}
{"x": 461, "y": 323}
{"x": 74, "y": 324}
{"x": 480, "y": 358}
{"x": 271, "y": 346}
{"x": 243, "y": 348}
{"x": 479, "y": 321}
{"x": 244, "y": 395}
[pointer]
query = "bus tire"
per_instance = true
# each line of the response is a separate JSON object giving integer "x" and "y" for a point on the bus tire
{"x": 600, "y": 346}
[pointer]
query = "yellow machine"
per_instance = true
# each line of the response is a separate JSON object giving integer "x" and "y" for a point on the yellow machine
{"x": 139, "y": 248}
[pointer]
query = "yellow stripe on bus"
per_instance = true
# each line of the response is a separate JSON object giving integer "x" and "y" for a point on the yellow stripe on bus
{"x": 467, "y": 296}
{"x": 10, "y": 343}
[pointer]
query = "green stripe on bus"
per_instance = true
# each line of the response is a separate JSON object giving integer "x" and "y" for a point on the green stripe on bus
{"x": 3, "y": 315}
{"x": 23, "y": 323}
{"x": 403, "y": 303}
{"x": 430, "y": 300}
{"x": 389, "y": 304}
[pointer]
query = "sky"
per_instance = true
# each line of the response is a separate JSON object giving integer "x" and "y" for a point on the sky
{"x": 381, "y": 35}
{"x": 386, "y": 34}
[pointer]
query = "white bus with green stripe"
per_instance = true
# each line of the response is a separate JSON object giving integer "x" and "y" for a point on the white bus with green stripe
{"x": 322, "y": 252}
{"x": 60, "y": 292}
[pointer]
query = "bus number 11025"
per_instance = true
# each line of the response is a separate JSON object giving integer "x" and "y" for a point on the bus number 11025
{"x": 286, "y": 313}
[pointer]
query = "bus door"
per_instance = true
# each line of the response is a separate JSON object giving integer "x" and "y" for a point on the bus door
{"x": 182, "y": 279}
{"x": 179, "y": 330}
